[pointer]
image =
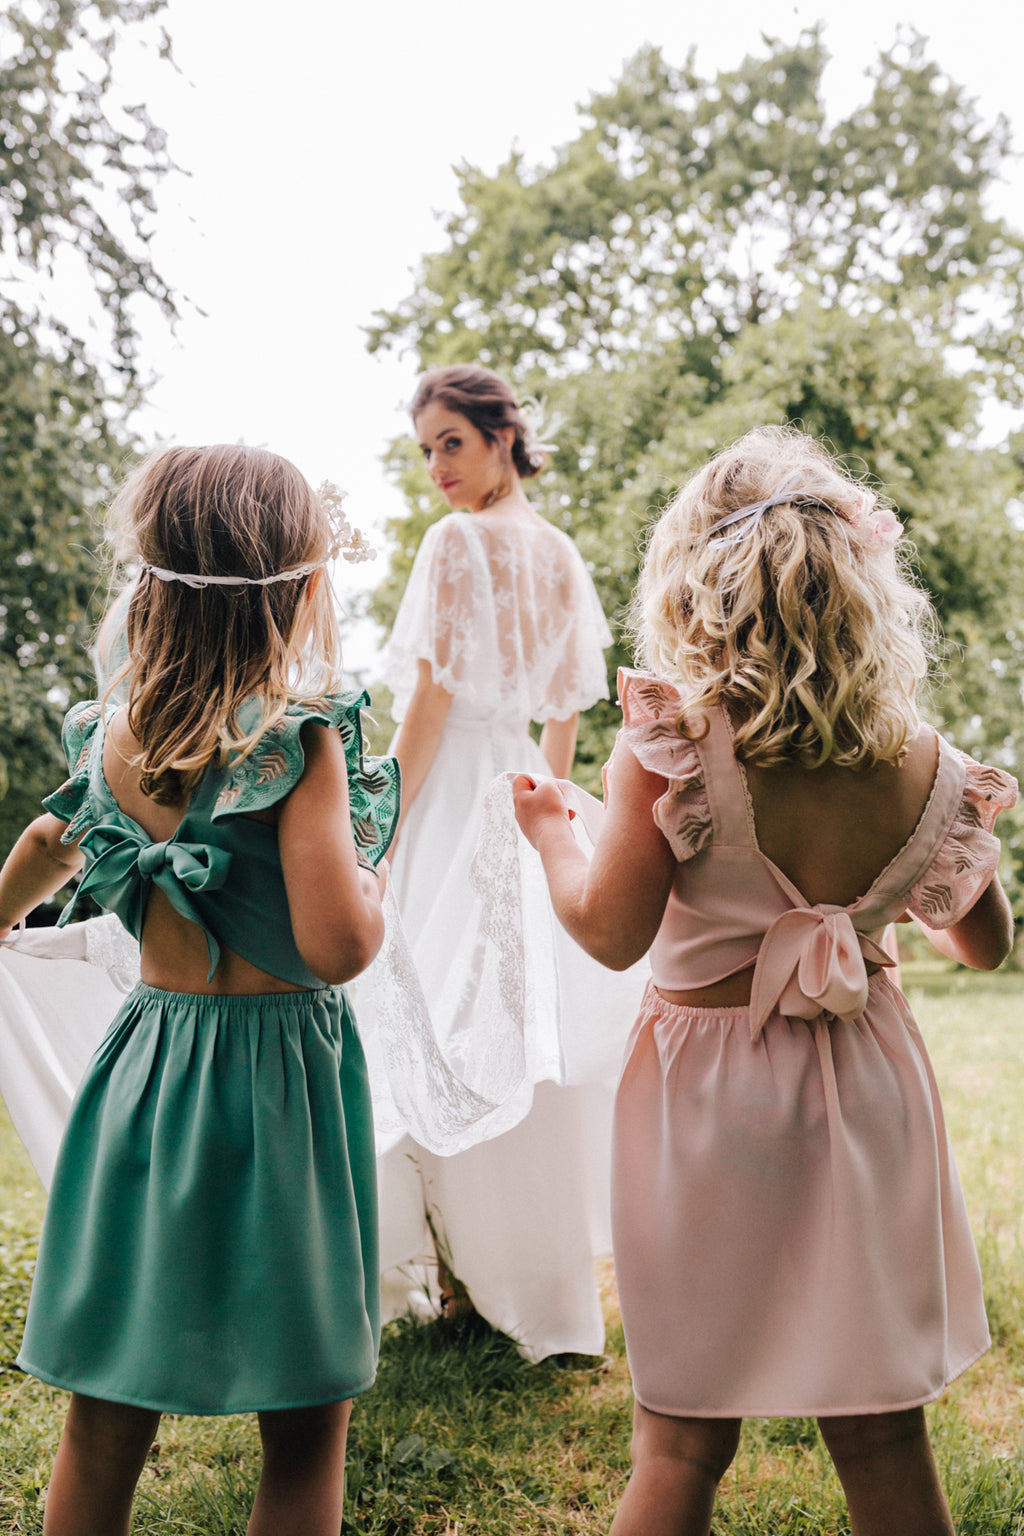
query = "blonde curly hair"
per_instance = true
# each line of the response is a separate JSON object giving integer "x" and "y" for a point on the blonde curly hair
{"x": 804, "y": 622}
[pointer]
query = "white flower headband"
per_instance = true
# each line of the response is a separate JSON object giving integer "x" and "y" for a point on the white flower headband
{"x": 350, "y": 543}
{"x": 880, "y": 525}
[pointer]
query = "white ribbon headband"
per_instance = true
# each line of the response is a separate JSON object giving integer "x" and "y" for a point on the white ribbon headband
{"x": 190, "y": 579}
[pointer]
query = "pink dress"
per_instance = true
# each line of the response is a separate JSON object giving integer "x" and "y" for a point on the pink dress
{"x": 789, "y": 1228}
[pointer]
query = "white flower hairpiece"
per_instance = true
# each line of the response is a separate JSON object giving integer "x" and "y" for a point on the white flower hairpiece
{"x": 531, "y": 411}
{"x": 351, "y": 543}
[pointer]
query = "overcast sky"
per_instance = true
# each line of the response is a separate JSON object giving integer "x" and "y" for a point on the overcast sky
{"x": 319, "y": 139}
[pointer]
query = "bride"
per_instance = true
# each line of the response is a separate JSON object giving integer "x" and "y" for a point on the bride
{"x": 499, "y": 625}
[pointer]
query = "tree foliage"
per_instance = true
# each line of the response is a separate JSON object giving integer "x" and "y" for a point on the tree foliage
{"x": 712, "y": 253}
{"x": 78, "y": 168}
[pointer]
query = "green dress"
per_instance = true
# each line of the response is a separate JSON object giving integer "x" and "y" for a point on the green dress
{"x": 210, "y": 1243}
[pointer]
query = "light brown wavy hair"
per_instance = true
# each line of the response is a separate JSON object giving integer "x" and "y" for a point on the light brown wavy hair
{"x": 813, "y": 635}
{"x": 196, "y": 653}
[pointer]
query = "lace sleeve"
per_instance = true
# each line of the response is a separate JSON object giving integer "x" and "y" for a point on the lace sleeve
{"x": 969, "y": 853}
{"x": 571, "y": 632}
{"x": 650, "y": 708}
{"x": 442, "y": 616}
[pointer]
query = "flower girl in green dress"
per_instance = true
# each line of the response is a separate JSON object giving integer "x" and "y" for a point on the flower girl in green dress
{"x": 210, "y": 1244}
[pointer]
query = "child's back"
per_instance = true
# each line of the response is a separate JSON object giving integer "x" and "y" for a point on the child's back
{"x": 790, "y": 1233}
{"x": 210, "y": 1243}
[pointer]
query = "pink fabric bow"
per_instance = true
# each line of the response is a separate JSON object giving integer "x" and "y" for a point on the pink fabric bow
{"x": 880, "y": 524}
{"x": 811, "y": 961}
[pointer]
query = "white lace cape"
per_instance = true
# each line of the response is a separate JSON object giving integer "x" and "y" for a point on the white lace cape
{"x": 501, "y": 596}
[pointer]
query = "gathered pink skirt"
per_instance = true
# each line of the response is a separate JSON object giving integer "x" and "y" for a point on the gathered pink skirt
{"x": 789, "y": 1228}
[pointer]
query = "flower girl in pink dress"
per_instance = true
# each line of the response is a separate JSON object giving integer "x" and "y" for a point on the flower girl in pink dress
{"x": 790, "y": 1232}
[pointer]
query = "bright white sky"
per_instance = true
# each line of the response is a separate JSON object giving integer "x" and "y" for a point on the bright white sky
{"x": 319, "y": 139}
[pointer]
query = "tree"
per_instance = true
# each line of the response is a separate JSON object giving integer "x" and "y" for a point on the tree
{"x": 77, "y": 173}
{"x": 709, "y": 254}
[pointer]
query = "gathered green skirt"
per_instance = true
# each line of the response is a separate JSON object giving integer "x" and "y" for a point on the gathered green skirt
{"x": 210, "y": 1242}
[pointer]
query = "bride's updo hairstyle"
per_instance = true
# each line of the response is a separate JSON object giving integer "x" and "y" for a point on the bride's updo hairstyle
{"x": 800, "y": 616}
{"x": 196, "y": 652}
{"x": 490, "y": 405}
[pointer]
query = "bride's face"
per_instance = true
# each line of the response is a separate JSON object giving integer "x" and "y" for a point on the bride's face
{"x": 465, "y": 467}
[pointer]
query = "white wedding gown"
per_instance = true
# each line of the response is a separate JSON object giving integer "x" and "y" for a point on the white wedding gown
{"x": 492, "y": 1041}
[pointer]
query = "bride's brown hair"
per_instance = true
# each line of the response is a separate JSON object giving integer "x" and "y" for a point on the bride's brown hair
{"x": 490, "y": 405}
{"x": 196, "y": 653}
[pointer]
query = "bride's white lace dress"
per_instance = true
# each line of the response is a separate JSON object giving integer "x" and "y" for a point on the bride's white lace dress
{"x": 502, "y": 607}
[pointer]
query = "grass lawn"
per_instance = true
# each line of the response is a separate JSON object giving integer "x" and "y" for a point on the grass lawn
{"x": 460, "y": 1437}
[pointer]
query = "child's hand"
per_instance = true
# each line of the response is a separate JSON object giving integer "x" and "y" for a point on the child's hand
{"x": 537, "y": 805}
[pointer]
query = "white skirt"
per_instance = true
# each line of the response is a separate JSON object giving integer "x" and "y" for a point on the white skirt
{"x": 527, "y": 1020}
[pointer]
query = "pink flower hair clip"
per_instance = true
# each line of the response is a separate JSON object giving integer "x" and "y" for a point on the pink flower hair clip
{"x": 879, "y": 525}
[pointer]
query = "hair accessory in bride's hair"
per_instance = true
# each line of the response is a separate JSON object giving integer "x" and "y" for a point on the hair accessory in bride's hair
{"x": 531, "y": 414}
{"x": 348, "y": 542}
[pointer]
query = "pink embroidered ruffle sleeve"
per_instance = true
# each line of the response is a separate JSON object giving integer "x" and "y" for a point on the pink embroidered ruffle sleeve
{"x": 731, "y": 908}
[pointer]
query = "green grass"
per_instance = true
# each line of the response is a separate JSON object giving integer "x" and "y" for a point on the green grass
{"x": 460, "y": 1436}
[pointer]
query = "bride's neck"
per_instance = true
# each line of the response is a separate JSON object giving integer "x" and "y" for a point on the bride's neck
{"x": 514, "y": 501}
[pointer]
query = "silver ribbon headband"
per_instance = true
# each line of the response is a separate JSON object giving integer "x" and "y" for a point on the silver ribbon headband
{"x": 753, "y": 514}
{"x": 192, "y": 580}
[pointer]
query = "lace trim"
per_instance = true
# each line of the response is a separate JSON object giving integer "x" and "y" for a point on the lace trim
{"x": 414, "y": 1089}
{"x": 110, "y": 946}
{"x": 651, "y": 708}
{"x": 968, "y": 856}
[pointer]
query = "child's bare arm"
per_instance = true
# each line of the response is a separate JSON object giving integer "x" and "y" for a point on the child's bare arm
{"x": 983, "y": 937}
{"x": 613, "y": 905}
{"x": 37, "y": 866}
{"x": 334, "y": 903}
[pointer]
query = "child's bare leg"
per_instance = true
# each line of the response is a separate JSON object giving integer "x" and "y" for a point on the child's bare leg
{"x": 303, "y": 1480}
{"x": 102, "y": 1451}
{"x": 677, "y": 1466}
{"x": 888, "y": 1473}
